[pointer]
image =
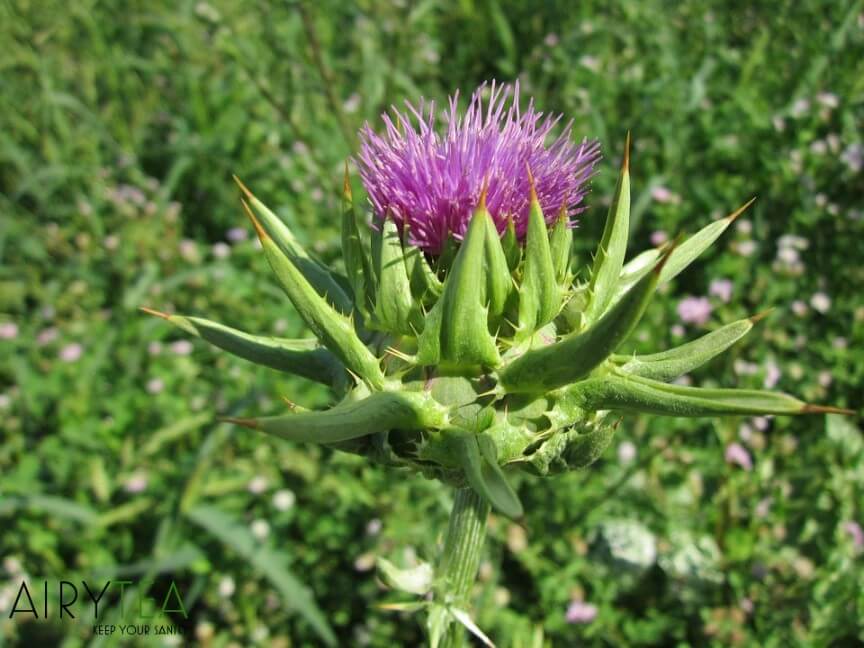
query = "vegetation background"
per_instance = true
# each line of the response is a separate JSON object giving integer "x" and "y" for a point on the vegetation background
{"x": 120, "y": 126}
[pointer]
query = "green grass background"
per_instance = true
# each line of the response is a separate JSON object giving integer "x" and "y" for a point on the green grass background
{"x": 120, "y": 126}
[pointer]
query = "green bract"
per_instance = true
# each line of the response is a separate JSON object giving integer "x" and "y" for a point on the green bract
{"x": 488, "y": 358}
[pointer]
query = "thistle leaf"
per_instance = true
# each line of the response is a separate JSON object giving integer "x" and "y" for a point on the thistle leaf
{"x": 668, "y": 365}
{"x": 510, "y": 244}
{"x": 539, "y": 294}
{"x": 636, "y": 394}
{"x": 477, "y": 455}
{"x": 300, "y": 357}
{"x": 609, "y": 258}
{"x": 425, "y": 286}
{"x": 498, "y": 281}
{"x": 378, "y": 412}
{"x": 683, "y": 255}
{"x": 574, "y": 357}
{"x": 319, "y": 277}
{"x": 638, "y": 267}
{"x": 561, "y": 243}
{"x": 357, "y": 262}
{"x": 333, "y": 329}
{"x": 395, "y": 309}
{"x": 456, "y": 333}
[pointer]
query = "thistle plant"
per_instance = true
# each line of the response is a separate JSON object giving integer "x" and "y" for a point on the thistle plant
{"x": 461, "y": 342}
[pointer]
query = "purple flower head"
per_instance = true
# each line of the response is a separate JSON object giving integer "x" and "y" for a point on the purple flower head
{"x": 432, "y": 181}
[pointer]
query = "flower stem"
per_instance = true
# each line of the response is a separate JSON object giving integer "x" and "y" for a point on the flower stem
{"x": 463, "y": 545}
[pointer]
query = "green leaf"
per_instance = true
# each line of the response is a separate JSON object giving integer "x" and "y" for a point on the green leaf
{"x": 299, "y": 357}
{"x": 539, "y": 294}
{"x": 683, "y": 255}
{"x": 560, "y": 244}
{"x": 609, "y": 258}
{"x": 395, "y": 310}
{"x": 499, "y": 283}
{"x": 636, "y": 394}
{"x": 317, "y": 275}
{"x": 477, "y": 455}
{"x": 425, "y": 286}
{"x": 574, "y": 357}
{"x": 378, "y": 412}
{"x": 268, "y": 563}
{"x": 668, "y": 365}
{"x": 357, "y": 262}
{"x": 334, "y": 330}
{"x": 456, "y": 334}
{"x": 638, "y": 267}
{"x": 510, "y": 245}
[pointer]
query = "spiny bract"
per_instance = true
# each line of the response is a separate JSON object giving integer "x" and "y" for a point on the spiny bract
{"x": 490, "y": 356}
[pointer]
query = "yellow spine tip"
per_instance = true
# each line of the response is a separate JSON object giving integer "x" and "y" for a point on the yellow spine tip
{"x": 252, "y": 424}
{"x": 255, "y": 223}
{"x": 243, "y": 187}
{"x": 531, "y": 184}
{"x": 734, "y": 215}
{"x": 562, "y": 213}
{"x": 826, "y": 409}
{"x": 758, "y": 317}
{"x": 625, "y": 164}
{"x": 346, "y": 183}
{"x": 481, "y": 202}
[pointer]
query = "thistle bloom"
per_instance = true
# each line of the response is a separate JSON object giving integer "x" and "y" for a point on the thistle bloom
{"x": 432, "y": 182}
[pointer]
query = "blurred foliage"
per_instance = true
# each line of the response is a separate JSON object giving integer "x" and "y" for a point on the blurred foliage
{"x": 122, "y": 124}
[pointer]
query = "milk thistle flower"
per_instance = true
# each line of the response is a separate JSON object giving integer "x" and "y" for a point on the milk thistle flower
{"x": 460, "y": 342}
{"x": 432, "y": 182}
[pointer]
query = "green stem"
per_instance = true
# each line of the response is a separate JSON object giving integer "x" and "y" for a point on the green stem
{"x": 460, "y": 561}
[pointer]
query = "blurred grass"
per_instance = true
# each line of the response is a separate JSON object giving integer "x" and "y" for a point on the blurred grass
{"x": 122, "y": 124}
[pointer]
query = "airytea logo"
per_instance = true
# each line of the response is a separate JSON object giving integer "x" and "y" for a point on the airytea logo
{"x": 82, "y": 600}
